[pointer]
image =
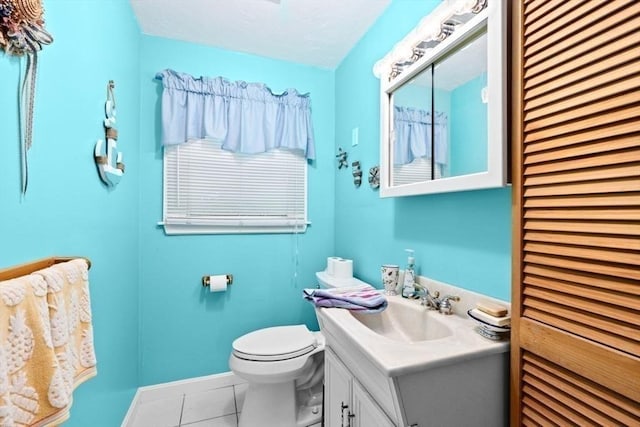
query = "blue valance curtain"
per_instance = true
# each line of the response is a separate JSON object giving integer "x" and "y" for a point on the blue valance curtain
{"x": 246, "y": 117}
{"x": 412, "y": 128}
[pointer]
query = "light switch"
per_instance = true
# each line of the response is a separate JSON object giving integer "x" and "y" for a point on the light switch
{"x": 354, "y": 136}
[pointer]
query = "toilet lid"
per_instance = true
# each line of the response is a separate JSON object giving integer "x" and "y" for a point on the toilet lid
{"x": 276, "y": 343}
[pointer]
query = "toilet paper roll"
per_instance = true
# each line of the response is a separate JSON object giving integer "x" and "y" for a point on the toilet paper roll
{"x": 218, "y": 283}
{"x": 343, "y": 269}
{"x": 331, "y": 262}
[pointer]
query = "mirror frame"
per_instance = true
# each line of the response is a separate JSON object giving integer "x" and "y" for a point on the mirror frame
{"x": 494, "y": 19}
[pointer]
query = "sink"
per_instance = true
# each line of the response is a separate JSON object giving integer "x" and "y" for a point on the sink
{"x": 409, "y": 323}
{"x": 413, "y": 362}
{"x": 407, "y": 337}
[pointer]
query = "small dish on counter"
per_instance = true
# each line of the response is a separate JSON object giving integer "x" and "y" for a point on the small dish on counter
{"x": 490, "y": 331}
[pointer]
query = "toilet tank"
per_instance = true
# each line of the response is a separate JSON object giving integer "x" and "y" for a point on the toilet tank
{"x": 327, "y": 281}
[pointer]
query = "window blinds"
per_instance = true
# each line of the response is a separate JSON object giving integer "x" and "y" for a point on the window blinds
{"x": 210, "y": 190}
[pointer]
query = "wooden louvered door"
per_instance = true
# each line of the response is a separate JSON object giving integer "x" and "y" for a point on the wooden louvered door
{"x": 576, "y": 175}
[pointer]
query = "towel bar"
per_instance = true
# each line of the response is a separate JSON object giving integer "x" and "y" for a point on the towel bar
{"x": 30, "y": 267}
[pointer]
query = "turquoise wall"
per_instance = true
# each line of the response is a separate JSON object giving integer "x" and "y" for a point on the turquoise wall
{"x": 460, "y": 238}
{"x": 185, "y": 331}
{"x": 153, "y": 322}
{"x": 67, "y": 210}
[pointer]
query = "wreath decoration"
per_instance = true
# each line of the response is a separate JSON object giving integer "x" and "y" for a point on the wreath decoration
{"x": 22, "y": 33}
{"x": 22, "y": 27}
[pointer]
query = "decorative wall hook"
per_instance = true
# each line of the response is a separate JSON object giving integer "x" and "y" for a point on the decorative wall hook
{"x": 374, "y": 177}
{"x": 342, "y": 159}
{"x": 108, "y": 158}
{"x": 357, "y": 174}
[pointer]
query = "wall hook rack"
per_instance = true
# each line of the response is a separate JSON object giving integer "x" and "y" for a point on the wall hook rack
{"x": 357, "y": 174}
{"x": 342, "y": 159}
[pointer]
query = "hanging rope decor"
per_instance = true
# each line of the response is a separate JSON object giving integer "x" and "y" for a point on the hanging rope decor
{"x": 22, "y": 33}
{"x": 107, "y": 157}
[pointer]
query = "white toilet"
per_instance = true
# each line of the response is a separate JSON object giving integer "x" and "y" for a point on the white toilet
{"x": 284, "y": 366}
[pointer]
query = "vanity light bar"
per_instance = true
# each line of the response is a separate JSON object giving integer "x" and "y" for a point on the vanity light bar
{"x": 432, "y": 30}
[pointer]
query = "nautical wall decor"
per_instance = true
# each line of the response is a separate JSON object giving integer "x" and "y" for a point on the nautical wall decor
{"x": 22, "y": 33}
{"x": 108, "y": 158}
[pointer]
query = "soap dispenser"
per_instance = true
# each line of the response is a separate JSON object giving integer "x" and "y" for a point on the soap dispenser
{"x": 408, "y": 284}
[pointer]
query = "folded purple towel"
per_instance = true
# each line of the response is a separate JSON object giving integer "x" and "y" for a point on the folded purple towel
{"x": 362, "y": 298}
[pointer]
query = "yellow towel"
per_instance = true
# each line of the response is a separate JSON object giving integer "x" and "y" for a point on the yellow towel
{"x": 46, "y": 344}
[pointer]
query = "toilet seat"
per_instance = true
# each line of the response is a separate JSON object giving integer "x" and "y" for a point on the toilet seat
{"x": 275, "y": 343}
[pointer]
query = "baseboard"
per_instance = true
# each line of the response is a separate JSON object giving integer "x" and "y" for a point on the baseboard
{"x": 181, "y": 387}
{"x": 131, "y": 413}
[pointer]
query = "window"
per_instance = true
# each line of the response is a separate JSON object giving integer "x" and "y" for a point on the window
{"x": 208, "y": 190}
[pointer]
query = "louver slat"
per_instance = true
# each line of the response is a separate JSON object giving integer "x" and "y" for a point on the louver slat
{"x": 576, "y": 270}
{"x": 599, "y": 405}
{"x": 568, "y": 31}
{"x": 609, "y": 284}
{"x": 579, "y": 79}
{"x": 592, "y": 61}
{"x": 586, "y": 294}
{"x": 611, "y": 369}
{"x": 573, "y": 48}
{"x": 558, "y": 19}
{"x": 610, "y": 159}
{"x": 537, "y": 10}
{"x": 585, "y": 240}
{"x": 586, "y": 148}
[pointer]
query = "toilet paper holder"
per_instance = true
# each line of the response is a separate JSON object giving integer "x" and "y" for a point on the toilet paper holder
{"x": 206, "y": 280}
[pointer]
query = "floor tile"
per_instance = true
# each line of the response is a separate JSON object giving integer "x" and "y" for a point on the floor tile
{"x": 226, "y": 421}
{"x": 159, "y": 413}
{"x": 240, "y": 390}
{"x": 208, "y": 404}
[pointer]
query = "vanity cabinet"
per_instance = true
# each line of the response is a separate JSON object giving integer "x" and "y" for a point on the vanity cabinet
{"x": 347, "y": 403}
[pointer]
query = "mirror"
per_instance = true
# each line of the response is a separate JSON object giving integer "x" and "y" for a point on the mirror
{"x": 443, "y": 115}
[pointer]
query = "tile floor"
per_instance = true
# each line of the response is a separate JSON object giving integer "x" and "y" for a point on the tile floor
{"x": 210, "y": 408}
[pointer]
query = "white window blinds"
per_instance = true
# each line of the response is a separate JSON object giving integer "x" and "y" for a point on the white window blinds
{"x": 210, "y": 190}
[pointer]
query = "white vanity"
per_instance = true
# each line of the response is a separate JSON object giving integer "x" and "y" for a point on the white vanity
{"x": 410, "y": 366}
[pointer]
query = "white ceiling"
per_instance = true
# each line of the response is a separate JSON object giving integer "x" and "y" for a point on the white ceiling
{"x": 313, "y": 32}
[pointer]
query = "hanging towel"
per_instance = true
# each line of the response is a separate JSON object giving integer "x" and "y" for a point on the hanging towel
{"x": 46, "y": 344}
{"x": 361, "y": 298}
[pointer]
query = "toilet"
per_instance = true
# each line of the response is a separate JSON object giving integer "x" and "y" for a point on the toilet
{"x": 284, "y": 367}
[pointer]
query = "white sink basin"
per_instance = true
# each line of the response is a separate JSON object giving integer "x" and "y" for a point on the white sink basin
{"x": 406, "y": 337}
{"x": 409, "y": 323}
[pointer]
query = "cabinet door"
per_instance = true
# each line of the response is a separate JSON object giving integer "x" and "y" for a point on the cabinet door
{"x": 366, "y": 412}
{"x": 575, "y": 325}
{"x": 337, "y": 385}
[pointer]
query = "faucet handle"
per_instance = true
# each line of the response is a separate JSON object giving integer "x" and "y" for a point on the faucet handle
{"x": 445, "y": 303}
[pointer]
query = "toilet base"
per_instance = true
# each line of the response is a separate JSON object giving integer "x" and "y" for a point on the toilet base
{"x": 269, "y": 405}
{"x": 281, "y": 405}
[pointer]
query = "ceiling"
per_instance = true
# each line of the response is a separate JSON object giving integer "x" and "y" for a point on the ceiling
{"x": 313, "y": 32}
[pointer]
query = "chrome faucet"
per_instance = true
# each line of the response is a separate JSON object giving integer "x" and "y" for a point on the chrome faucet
{"x": 445, "y": 303}
{"x": 432, "y": 301}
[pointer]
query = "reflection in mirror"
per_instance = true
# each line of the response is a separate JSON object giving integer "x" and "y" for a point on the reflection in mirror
{"x": 452, "y": 92}
{"x": 411, "y": 127}
{"x": 460, "y": 80}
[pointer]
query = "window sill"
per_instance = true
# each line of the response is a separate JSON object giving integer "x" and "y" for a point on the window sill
{"x": 184, "y": 229}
